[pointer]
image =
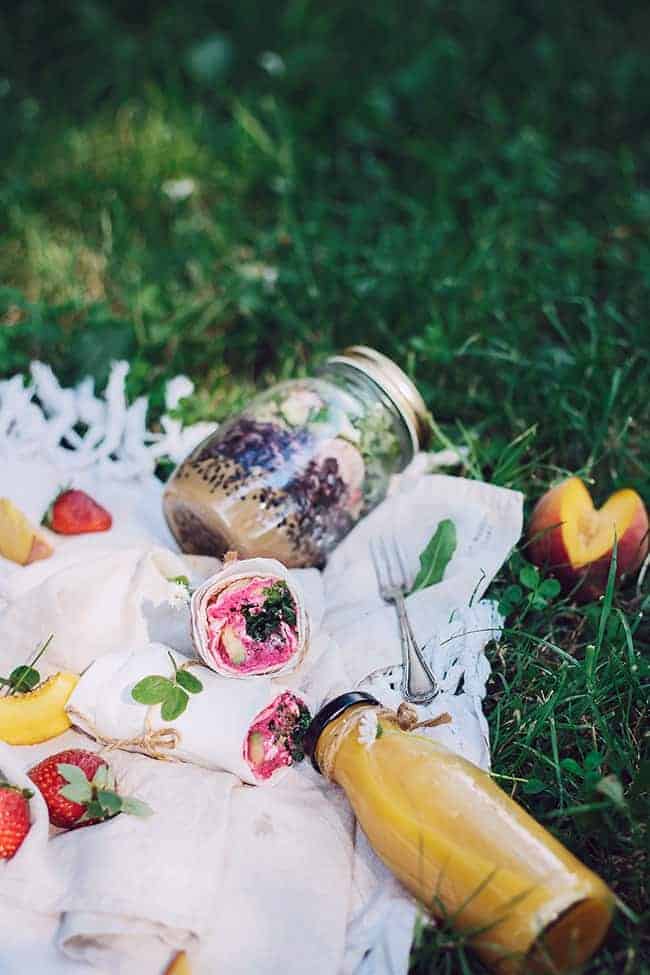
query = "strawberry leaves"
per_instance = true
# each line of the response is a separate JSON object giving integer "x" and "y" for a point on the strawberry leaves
{"x": 98, "y": 797}
{"x": 78, "y": 788}
{"x": 135, "y": 807}
{"x": 25, "y": 793}
{"x": 172, "y": 693}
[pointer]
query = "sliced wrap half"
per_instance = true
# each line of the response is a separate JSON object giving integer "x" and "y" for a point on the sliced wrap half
{"x": 251, "y": 728}
{"x": 251, "y": 619}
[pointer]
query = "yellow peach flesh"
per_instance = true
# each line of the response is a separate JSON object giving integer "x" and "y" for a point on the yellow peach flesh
{"x": 179, "y": 965}
{"x": 20, "y": 541}
{"x": 588, "y": 533}
{"x": 38, "y": 715}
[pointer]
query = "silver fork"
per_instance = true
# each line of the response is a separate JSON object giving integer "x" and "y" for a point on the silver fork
{"x": 418, "y": 684}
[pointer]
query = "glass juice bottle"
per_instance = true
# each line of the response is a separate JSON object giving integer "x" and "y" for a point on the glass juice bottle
{"x": 459, "y": 844}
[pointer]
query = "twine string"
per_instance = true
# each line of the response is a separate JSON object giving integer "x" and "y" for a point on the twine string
{"x": 154, "y": 742}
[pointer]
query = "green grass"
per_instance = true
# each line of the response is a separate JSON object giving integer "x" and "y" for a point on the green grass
{"x": 467, "y": 187}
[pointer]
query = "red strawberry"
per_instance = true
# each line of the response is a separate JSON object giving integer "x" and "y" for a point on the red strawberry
{"x": 79, "y": 789}
{"x": 14, "y": 818}
{"x": 74, "y": 512}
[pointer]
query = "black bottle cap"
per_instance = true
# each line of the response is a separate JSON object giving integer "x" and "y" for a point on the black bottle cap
{"x": 329, "y": 712}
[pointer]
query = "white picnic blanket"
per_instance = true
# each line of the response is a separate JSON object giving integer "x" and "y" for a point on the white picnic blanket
{"x": 246, "y": 879}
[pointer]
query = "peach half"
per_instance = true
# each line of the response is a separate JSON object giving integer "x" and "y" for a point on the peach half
{"x": 20, "y": 541}
{"x": 575, "y": 540}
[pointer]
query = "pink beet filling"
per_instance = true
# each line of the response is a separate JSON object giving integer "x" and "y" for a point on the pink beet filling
{"x": 228, "y": 621}
{"x": 274, "y": 739}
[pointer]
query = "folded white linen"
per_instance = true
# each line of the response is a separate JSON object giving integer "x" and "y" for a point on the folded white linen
{"x": 151, "y": 877}
{"x": 117, "y": 599}
{"x": 209, "y": 871}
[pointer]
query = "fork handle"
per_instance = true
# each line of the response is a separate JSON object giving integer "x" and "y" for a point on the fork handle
{"x": 418, "y": 683}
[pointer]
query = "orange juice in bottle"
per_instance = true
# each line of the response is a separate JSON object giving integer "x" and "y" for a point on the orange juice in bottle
{"x": 459, "y": 844}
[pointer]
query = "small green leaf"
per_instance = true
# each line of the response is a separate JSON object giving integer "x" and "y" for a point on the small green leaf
{"x": 24, "y": 678}
{"x": 549, "y": 589}
{"x": 380, "y": 730}
{"x": 529, "y": 577}
{"x": 73, "y": 774}
{"x": 189, "y": 681}
{"x": 593, "y": 760}
{"x": 512, "y": 597}
{"x": 174, "y": 704}
{"x": 533, "y": 786}
{"x": 77, "y": 792}
{"x": 570, "y": 765}
{"x": 152, "y": 690}
{"x": 100, "y": 778}
{"x": 136, "y": 807}
{"x": 109, "y": 801}
{"x": 436, "y": 556}
{"x": 513, "y": 594}
{"x": 94, "y": 810}
{"x": 180, "y": 581}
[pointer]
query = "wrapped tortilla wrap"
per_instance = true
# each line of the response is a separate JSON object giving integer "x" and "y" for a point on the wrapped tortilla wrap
{"x": 250, "y": 619}
{"x": 251, "y": 728}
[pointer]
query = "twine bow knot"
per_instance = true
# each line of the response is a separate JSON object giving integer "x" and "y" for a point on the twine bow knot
{"x": 407, "y": 718}
{"x": 154, "y": 742}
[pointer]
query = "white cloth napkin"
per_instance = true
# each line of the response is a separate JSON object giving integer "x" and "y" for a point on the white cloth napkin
{"x": 245, "y": 879}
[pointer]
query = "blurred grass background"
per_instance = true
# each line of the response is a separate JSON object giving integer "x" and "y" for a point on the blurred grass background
{"x": 233, "y": 190}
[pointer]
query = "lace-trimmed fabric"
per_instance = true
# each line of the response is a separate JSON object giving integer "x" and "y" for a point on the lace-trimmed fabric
{"x": 78, "y": 429}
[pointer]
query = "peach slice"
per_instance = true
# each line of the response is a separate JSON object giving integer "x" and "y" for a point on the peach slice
{"x": 20, "y": 541}
{"x": 38, "y": 715}
{"x": 575, "y": 540}
{"x": 179, "y": 965}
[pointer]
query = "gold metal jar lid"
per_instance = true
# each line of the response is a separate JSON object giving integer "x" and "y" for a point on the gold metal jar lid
{"x": 394, "y": 382}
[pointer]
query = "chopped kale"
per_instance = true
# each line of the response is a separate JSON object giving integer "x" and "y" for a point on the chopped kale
{"x": 295, "y": 740}
{"x": 279, "y": 607}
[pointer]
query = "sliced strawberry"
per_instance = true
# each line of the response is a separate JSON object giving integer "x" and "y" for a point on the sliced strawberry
{"x": 74, "y": 512}
{"x": 14, "y": 818}
{"x": 79, "y": 789}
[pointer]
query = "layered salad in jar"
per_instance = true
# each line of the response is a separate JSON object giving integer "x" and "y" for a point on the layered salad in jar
{"x": 287, "y": 478}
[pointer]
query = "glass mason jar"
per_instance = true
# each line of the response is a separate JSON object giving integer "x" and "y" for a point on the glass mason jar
{"x": 458, "y": 843}
{"x": 292, "y": 473}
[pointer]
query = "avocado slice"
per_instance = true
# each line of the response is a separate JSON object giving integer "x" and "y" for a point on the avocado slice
{"x": 233, "y": 645}
{"x": 256, "y": 747}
